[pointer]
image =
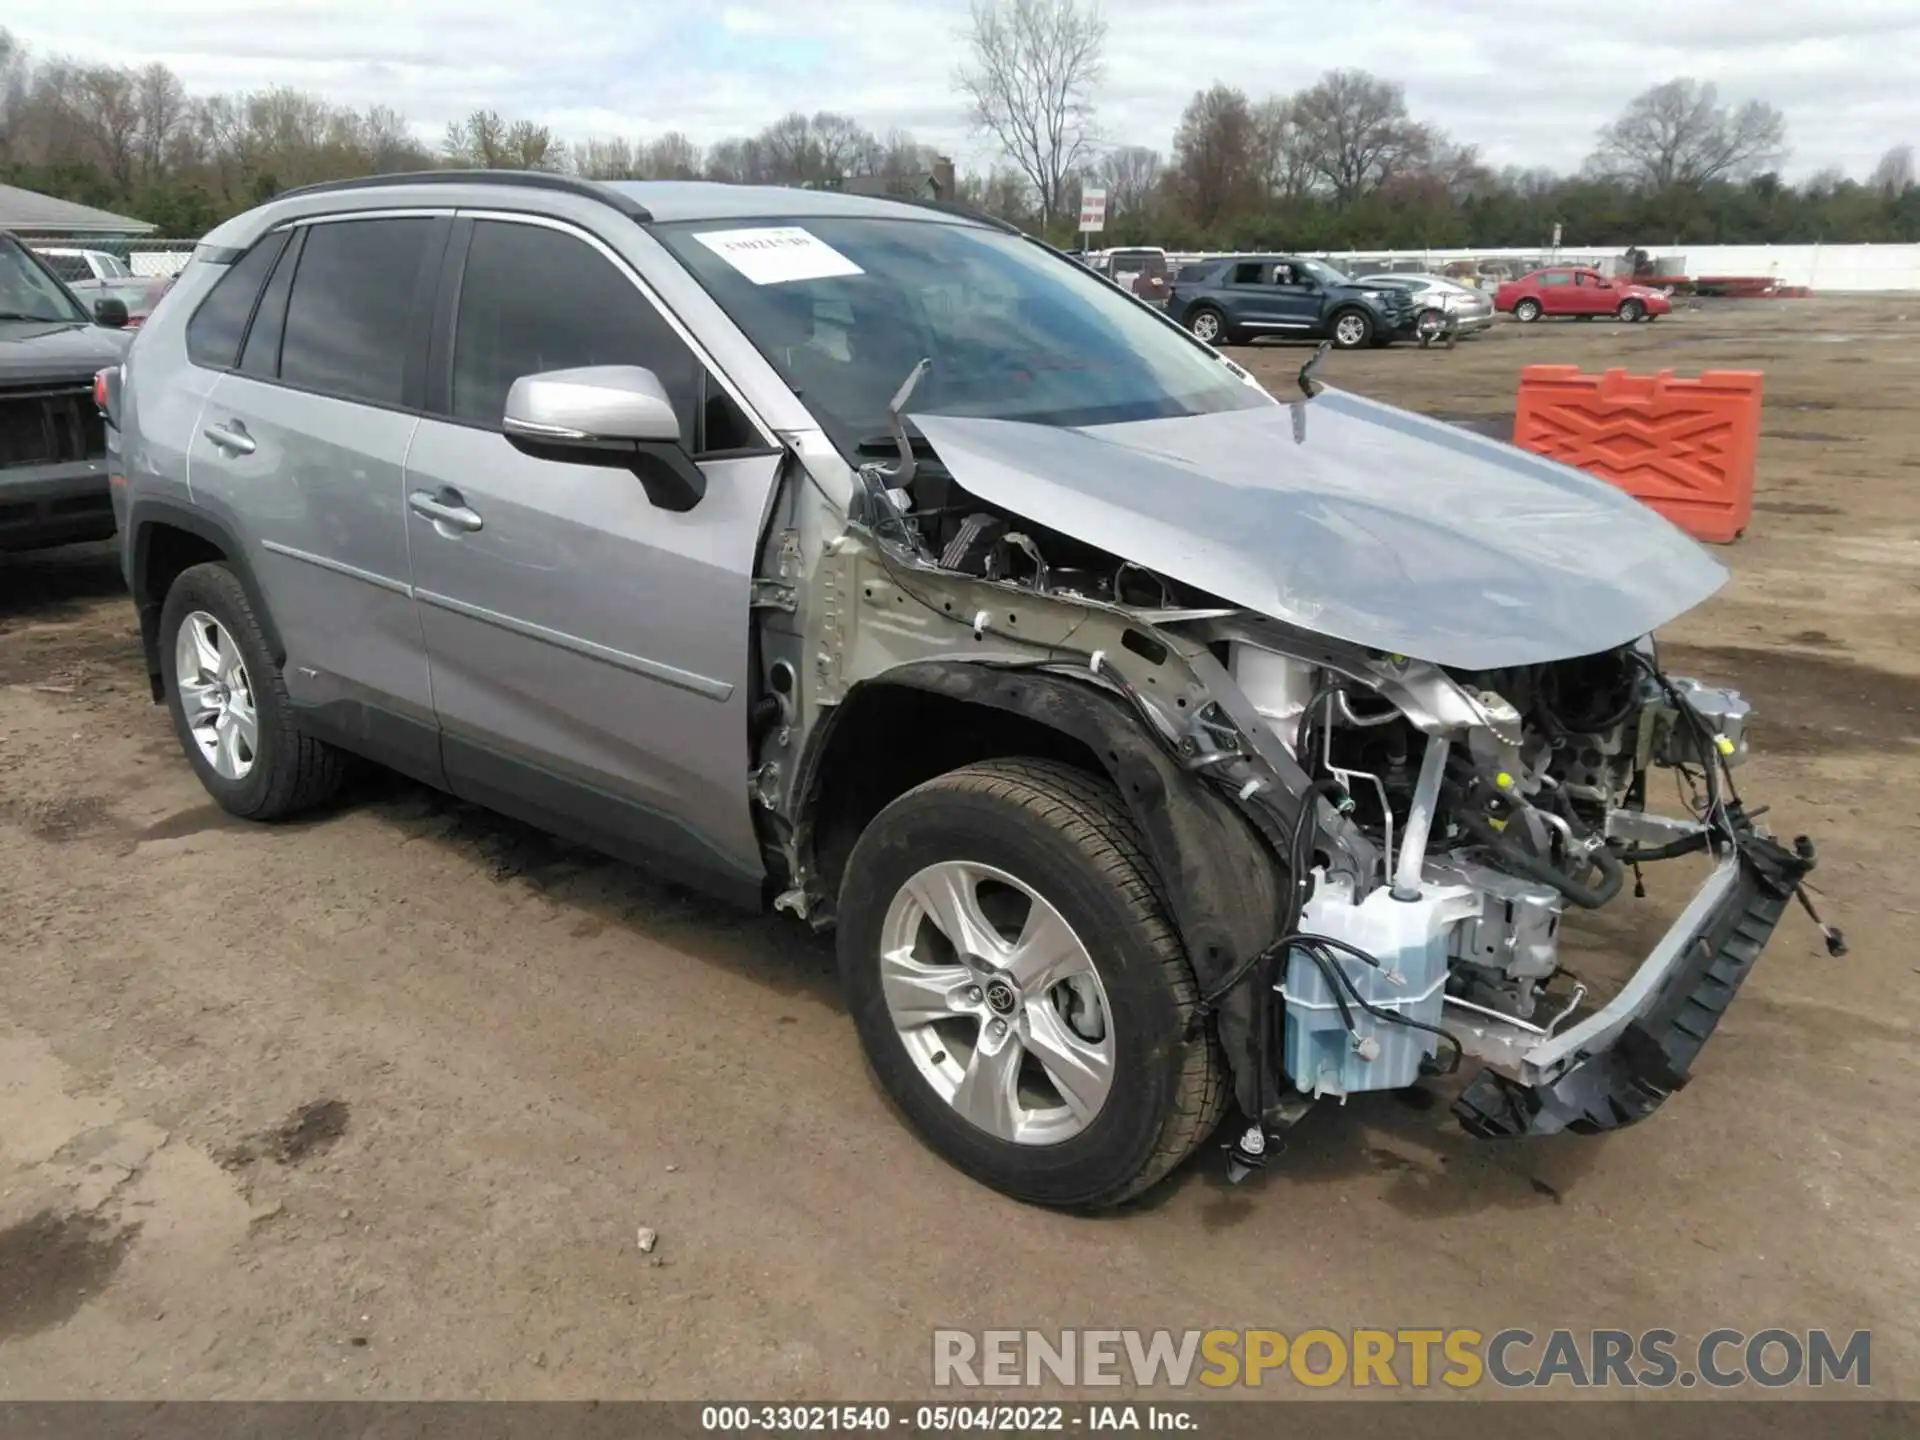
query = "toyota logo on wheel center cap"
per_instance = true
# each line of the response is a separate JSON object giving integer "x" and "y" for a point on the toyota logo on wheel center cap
{"x": 1000, "y": 997}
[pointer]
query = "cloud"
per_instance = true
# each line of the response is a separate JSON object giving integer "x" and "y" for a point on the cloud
{"x": 1528, "y": 83}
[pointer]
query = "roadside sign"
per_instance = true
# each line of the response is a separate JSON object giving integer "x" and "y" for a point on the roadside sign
{"x": 1093, "y": 211}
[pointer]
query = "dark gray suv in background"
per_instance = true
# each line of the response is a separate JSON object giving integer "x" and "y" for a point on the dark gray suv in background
{"x": 1154, "y": 745}
{"x": 1243, "y": 298}
{"x": 53, "y": 454}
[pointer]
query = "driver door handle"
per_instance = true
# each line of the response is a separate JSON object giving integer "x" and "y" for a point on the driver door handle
{"x": 232, "y": 437}
{"x": 450, "y": 513}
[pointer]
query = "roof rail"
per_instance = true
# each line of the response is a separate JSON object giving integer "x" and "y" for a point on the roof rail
{"x": 525, "y": 179}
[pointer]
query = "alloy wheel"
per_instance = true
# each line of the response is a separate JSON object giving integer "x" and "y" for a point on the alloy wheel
{"x": 1206, "y": 326}
{"x": 998, "y": 1003}
{"x": 1350, "y": 330}
{"x": 216, "y": 695}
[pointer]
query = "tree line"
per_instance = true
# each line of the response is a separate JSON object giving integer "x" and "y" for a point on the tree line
{"x": 1340, "y": 164}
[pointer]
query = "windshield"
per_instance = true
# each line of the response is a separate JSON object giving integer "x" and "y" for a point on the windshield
{"x": 1323, "y": 272}
{"x": 28, "y": 292}
{"x": 845, "y": 308}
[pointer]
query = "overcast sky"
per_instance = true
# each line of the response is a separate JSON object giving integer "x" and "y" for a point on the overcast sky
{"x": 1527, "y": 80}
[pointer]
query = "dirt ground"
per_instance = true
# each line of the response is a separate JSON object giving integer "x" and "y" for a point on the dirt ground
{"x": 376, "y": 1104}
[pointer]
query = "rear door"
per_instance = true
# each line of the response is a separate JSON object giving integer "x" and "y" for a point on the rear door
{"x": 1556, "y": 293}
{"x": 301, "y": 448}
{"x": 590, "y": 652}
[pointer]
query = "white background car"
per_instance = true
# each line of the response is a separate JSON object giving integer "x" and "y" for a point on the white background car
{"x": 1472, "y": 310}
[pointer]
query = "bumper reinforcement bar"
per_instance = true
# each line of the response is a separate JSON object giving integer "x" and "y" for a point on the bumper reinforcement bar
{"x": 1653, "y": 1052}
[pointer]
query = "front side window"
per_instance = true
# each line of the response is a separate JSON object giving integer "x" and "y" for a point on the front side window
{"x": 534, "y": 299}
{"x": 846, "y": 307}
{"x": 348, "y": 314}
{"x": 1322, "y": 273}
{"x": 28, "y": 292}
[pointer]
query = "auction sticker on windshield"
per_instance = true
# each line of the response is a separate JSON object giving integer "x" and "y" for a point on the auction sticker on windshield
{"x": 775, "y": 255}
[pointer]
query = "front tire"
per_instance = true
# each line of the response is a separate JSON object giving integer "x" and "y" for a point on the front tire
{"x": 1631, "y": 311}
{"x": 1351, "y": 330}
{"x": 229, "y": 703}
{"x": 1527, "y": 311}
{"x": 1019, "y": 989}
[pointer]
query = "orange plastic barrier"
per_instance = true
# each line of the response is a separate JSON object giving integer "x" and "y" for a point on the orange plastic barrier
{"x": 1684, "y": 447}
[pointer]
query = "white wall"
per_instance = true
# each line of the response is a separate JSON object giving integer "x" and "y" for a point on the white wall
{"x": 1825, "y": 268}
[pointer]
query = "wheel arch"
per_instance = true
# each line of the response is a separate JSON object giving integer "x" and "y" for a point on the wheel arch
{"x": 166, "y": 539}
{"x": 1221, "y": 883}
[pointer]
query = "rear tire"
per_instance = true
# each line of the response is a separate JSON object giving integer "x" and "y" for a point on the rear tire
{"x": 1029, "y": 841}
{"x": 1208, "y": 325}
{"x": 229, "y": 703}
{"x": 1527, "y": 311}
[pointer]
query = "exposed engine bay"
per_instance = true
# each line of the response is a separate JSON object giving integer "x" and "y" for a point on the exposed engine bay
{"x": 1436, "y": 824}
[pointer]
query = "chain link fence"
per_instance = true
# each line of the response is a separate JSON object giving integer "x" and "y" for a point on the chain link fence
{"x": 145, "y": 258}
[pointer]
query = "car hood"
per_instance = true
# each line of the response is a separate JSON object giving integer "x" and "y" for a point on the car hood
{"x": 56, "y": 350}
{"x": 1352, "y": 519}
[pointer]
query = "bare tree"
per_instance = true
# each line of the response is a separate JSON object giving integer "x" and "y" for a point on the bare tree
{"x": 606, "y": 160}
{"x": 1129, "y": 175}
{"x": 737, "y": 162}
{"x": 1894, "y": 172}
{"x": 1679, "y": 133}
{"x": 1355, "y": 132}
{"x": 1029, "y": 83}
{"x": 671, "y": 157}
{"x": 1284, "y": 169}
{"x": 163, "y": 109}
{"x": 1216, "y": 154}
{"x": 483, "y": 141}
{"x": 1003, "y": 192}
{"x": 840, "y": 145}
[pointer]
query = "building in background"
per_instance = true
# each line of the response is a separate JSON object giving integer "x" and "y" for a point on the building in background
{"x": 27, "y": 212}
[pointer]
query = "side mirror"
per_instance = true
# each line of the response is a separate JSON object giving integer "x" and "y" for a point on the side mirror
{"x": 612, "y": 415}
{"x": 110, "y": 313}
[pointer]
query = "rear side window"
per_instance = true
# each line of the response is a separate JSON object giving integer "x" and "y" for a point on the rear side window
{"x": 1193, "y": 274}
{"x": 213, "y": 335}
{"x": 262, "y": 355}
{"x": 1556, "y": 277}
{"x": 348, "y": 315}
{"x": 534, "y": 299}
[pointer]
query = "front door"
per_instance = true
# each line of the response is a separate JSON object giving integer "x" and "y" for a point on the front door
{"x": 302, "y": 446}
{"x": 589, "y": 652}
{"x": 1264, "y": 298}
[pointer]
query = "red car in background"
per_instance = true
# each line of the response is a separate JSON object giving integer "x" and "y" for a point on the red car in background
{"x": 1571, "y": 290}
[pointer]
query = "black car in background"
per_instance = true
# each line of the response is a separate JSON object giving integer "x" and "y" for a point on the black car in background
{"x": 1238, "y": 299}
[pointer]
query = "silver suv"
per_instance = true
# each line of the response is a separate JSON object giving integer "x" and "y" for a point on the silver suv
{"x": 1154, "y": 743}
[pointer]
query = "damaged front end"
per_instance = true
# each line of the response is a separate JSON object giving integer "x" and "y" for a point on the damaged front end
{"x": 1370, "y": 856}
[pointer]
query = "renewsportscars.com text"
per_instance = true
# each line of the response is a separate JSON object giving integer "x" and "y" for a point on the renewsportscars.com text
{"x": 1406, "y": 1358}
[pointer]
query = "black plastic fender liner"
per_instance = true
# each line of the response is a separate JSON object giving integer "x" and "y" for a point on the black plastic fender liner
{"x": 1654, "y": 1056}
{"x": 147, "y": 515}
{"x": 1220, "y": 881}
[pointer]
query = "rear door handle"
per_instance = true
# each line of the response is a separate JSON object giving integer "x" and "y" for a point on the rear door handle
{"x": 453, "y": 515}
{"x": 231, "y": 436}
